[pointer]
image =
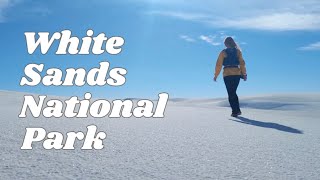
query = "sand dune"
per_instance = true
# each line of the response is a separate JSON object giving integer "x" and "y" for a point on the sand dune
{"x": 277, "y": 137}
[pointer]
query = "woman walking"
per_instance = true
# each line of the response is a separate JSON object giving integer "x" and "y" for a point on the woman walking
{"x": 233, "y": 69}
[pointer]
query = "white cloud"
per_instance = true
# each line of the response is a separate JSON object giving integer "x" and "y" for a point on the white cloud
{"x": 4, "y": 4}
{"x": 211, "y": 39}
{"x": 180, "y": 15}
{"x": 311, "y": 47}
{"x": 215, "y": 39}
{"x": 272, "y": 15}
{"x": 276, "y": 22}
{"x": 187, "y": 38}
{"x": 30, "y": 9}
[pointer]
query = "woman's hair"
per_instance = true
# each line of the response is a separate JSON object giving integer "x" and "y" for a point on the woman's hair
{"x": 229, "y": 42}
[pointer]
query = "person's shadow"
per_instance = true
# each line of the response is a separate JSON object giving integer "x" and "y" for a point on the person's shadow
{"x": 267, "y": 125}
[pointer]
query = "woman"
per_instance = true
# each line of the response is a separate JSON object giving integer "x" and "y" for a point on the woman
{"x": 234, "y": 69}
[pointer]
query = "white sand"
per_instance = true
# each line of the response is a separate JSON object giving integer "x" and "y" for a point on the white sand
{"x": 278, "y": 137}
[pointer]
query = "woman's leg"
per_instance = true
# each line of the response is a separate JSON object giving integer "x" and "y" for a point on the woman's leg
{"x": 232, "y": 83}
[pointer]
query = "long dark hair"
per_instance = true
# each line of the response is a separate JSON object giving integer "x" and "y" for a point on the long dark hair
{"x": 229, "y": 42}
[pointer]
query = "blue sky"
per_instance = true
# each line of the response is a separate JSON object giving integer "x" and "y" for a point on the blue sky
{"x": 171, "y": 45}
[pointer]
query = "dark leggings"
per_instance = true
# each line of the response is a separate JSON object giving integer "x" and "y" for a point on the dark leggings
{"x": 232, "y": 83}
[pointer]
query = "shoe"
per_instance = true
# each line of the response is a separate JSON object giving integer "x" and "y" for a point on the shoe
{"x": 234, "y": 114}
{"x": 239, "y": 113}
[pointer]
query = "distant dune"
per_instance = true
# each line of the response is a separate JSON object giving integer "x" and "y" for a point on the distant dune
{"x": 266, "y": 102}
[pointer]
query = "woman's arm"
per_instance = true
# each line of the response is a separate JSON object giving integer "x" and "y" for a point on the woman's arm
{"x": 219, "y": 65}
{"x": 242, "y": 64}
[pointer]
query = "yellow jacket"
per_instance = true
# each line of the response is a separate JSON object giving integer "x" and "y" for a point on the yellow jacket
{"x": 230, "y": 71}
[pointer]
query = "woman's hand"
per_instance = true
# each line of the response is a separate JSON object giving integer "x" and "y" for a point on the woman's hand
{"x": 244, "y": 77}
{"x": 215, "y": 78}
